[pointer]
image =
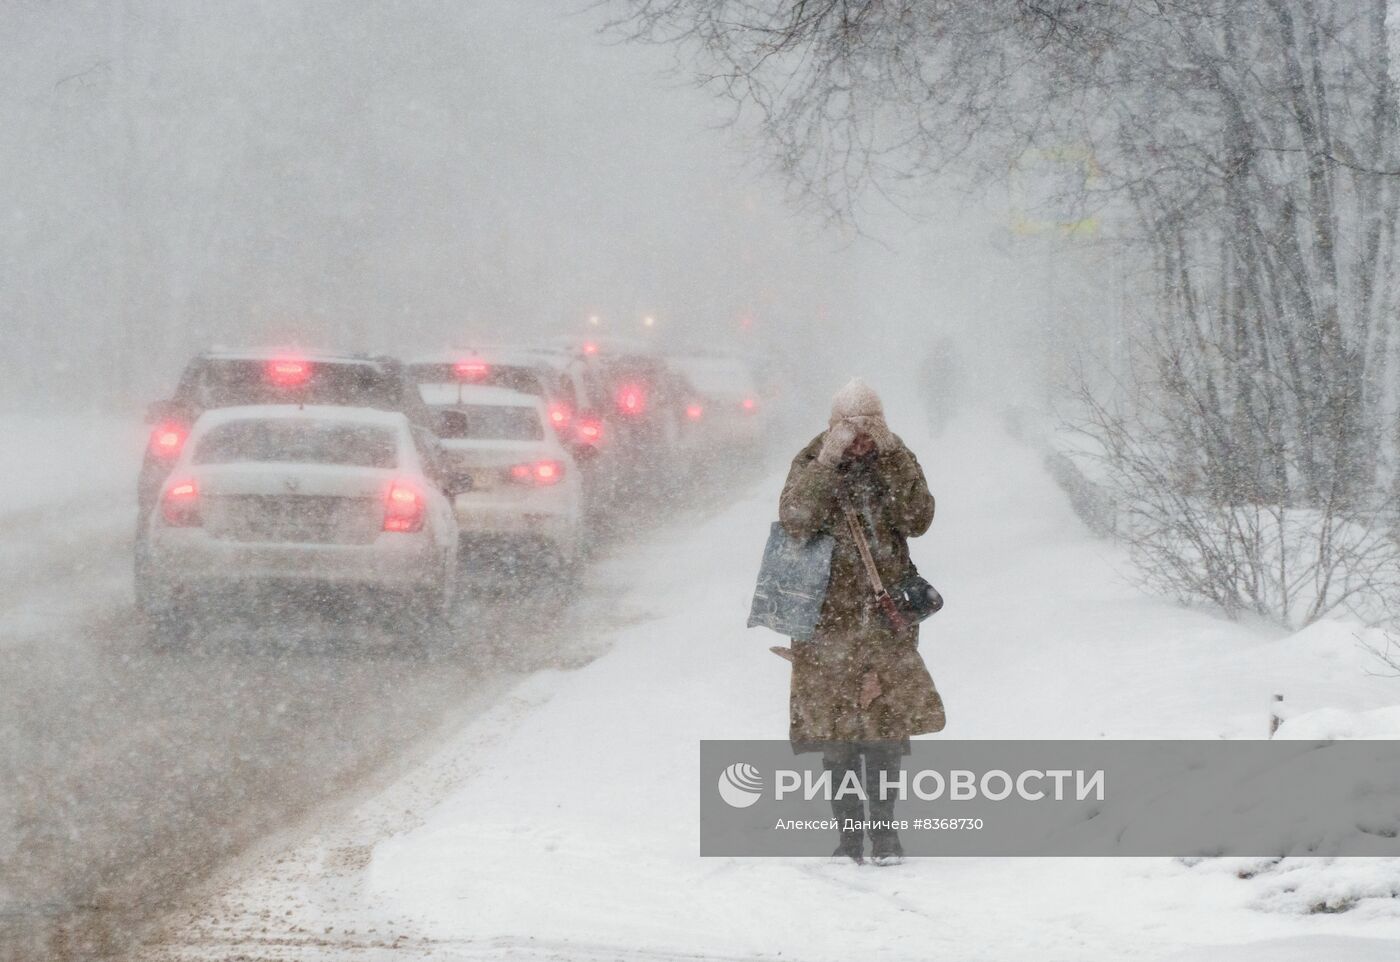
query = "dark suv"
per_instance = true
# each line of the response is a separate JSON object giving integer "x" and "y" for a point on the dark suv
{"x": 220, "y": 380}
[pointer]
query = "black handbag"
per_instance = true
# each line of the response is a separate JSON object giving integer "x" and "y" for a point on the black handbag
{"x": 915, "y": 598}
{"x": 911, "y": 601}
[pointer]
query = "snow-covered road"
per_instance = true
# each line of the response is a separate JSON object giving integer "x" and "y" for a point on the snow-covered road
{"x": 562, "y": 822}
{"x": 127, "y": 774}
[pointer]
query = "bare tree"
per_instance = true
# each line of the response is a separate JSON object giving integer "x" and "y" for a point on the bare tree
{"x": 1245, "y": 151}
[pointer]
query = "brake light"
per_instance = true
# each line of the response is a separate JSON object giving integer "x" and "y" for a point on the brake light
{"x": 749, "y": 404}
{"x": 631, "y": 399}
{"x": 540, "y": 473}
{"x": 404, "y": 507}
{"x": 589, "y": 347}
{"x": 288, "y": 371}
{"x": 695, "y": 411}
{"x": 180, "y": 504}
{"x": 471, "y": 370}
{"x": 560, "y": 416}
{"x": 168, "y": 439}
{"x": 590, "y": 430}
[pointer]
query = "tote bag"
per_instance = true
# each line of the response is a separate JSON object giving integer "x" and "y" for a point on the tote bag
{"x": 792, "y": 583}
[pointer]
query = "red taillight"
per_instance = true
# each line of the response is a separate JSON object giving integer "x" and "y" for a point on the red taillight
{"x": 589, "y": 347}
{"x": 168, "y": 439}
{"x": 749, "y": 404}
{"x": 695, "y": 411}
{"x": 590, "y": 431}
{"x": 540, "y": 472}
{"x": 631, "y": 399}
{"x": 404, "y": 507}
{"x": 288, "y": 371}
{"x": 179, "y": 506}
{"x": 560, "y": 416}
{"x": 471, "y": 370}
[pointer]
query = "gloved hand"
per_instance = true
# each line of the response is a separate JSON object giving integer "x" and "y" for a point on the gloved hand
{"x": 838, "y": 438}
{"x": 877, "y": 430}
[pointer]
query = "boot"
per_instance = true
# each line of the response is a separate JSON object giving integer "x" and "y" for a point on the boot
{"x": 885, "y": 848}
{"x": 852, "y": 847}
{"x": 852, "y": 842}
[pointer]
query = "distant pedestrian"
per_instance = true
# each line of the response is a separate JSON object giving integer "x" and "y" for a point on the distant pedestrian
{"x": 940, "y": 382}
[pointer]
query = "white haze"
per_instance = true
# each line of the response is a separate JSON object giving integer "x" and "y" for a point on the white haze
{"x": 392, "y": 177}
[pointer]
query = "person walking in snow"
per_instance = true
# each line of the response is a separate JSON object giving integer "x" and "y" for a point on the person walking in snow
{"x": 859, "y": 687}
{"x": 940, "y": 376}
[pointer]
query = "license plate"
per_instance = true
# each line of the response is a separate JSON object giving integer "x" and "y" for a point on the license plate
{"x": 290, "y": 518}
{"x": 307, "y": 511}
{"x": 484, "y": 479}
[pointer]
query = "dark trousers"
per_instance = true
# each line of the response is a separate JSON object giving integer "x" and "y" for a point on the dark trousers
{"x": 867, "y": 760}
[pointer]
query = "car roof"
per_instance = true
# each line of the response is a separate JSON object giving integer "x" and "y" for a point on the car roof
{"x": 485, "y": 394}
{"x": 648, "y": 363}
{"x": 509, "y": 357}
{"x": 317, "y": 412}
{"x": 607, "y": 343}
{"x": 554, "y": 358}
{"x": 322, "y": 357}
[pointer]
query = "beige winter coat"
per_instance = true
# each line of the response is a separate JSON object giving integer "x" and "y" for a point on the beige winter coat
{"x": 853, "y": 637}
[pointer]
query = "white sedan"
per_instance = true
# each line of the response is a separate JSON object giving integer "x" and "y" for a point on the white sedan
{"x": 519, "y": 483}
{"x": 289, "y": 495}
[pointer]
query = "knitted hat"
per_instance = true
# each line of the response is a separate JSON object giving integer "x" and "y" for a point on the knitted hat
{"x": 859, "y": 405}
{"x": 856, "y": 400}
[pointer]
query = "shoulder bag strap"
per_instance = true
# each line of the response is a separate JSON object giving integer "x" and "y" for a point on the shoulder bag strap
{"x": 882, "y": 597}
{"x": 857, "y": 535}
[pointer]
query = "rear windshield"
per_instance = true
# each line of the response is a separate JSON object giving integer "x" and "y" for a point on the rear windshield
{"x": 490, "y": 422}
{"x": 224, "y": 382}
{"x": 299, "y": 442}
{"x": 513, "y": 377}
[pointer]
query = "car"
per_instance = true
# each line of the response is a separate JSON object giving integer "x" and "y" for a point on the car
{"x": 567, "y": 385}
{"x": 642, "y": 405}
{"x": 521, "y": 485}
{"x": 580, "y": 397}
{"x": 639, "y": 407}
{"x": 721, "y": 400}
{"x": 574, "y": 393}
{"x": 293, "y": 495}
{"x": 512, "y": 369}
{"x": 222, "y": 379}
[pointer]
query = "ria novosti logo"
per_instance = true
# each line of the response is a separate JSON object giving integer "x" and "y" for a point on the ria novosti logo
{"x": 740, "y": 785}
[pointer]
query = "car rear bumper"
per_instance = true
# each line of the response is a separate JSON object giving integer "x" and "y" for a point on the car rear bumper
{"x": 192, "y": 559}
{"x": 548, "y": 515}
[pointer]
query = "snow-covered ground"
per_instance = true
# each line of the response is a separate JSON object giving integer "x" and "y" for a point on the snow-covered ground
{"x": 56, "y": 459}
{"x": 564, "y": 823}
